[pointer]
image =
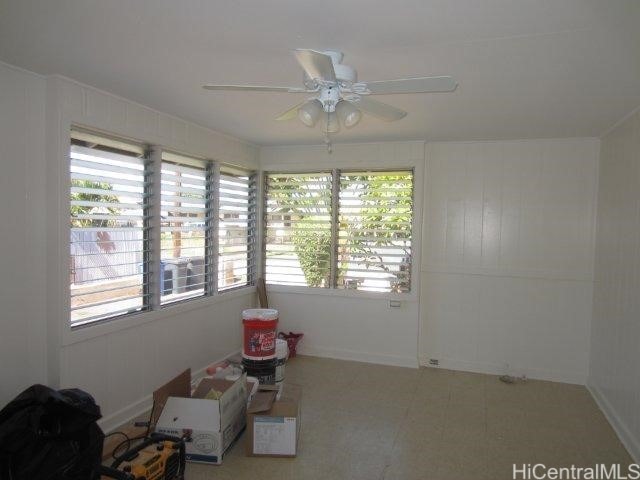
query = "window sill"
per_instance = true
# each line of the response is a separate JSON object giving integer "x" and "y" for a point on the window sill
{"x": 337, "y": 292}
{"x": 87, "y": 332}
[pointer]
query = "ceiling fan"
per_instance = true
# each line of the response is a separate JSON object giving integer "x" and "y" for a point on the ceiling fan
{"x": 338, "y": 96}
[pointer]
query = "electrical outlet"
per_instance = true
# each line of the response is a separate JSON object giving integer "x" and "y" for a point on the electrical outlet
{"x": 434, "y": 361}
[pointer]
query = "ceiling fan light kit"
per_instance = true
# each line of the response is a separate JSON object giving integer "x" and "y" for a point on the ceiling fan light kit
{"x": 332, "y": 125}
{"x": 310, "y": 112}
{"x": 338, "y": 95}
{"x": 349, "y": 114}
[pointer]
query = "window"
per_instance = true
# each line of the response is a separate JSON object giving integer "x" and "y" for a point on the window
{"x": 132, "y": 214}
{"x": 374, "y": 231}
{"x": 298, "y": 229}
{"x": 237, "y": 228}
{"x": 339, "y": 229}
{"x": 185, "y": 222}
{"x": 107, "y": 229}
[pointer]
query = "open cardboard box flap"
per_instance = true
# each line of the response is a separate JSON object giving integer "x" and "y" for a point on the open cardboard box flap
{"x": 262, "y": 401}
{"x": 180, "y": 386}
{"x": 265, "y": 400}
{"x": 208, "y": 384}
{"x": 289, "y": 403}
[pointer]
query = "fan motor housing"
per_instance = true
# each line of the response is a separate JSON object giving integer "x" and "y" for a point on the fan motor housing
{"x": 336, "y": 56}
{"x": 329, "y": 96}
{"x": 345, "y": 73}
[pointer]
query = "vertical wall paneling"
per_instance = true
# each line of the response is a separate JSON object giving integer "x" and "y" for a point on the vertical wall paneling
{"x": 23, "y": 358}
{"x": 614, "y": 377}
{"x": 507, "y": 256}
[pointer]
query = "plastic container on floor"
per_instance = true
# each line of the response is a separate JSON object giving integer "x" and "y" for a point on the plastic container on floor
{"x": 292, "y": 341}
{"x": 263, "y": 370}
{"x": 259, "y": 333}
{"x": 282, "y": 352}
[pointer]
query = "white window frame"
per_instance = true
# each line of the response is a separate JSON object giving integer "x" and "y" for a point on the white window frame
{"x": 332, "y": 288}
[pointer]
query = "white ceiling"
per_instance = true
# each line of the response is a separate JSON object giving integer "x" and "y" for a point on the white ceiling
{"x": 526, "y": 68}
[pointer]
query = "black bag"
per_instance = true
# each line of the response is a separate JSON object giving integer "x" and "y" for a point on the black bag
{"x": 50, "y": 435}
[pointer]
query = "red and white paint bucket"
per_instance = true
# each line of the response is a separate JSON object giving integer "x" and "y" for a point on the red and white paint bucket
{"x": 260, "y": 326}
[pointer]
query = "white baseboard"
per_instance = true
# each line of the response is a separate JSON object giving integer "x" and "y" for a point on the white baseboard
{"x": 496, "y": 369}
{"x": 125, "y": 415}
{"x": 628, "y": 439}
{"x": 367, "y": 357}
{"x": 134, "y": 410}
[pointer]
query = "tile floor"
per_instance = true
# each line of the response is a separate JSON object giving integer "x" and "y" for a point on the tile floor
{"x": 371, "y": 422}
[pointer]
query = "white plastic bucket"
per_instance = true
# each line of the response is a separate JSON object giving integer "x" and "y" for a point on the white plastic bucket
{"x": 282, "y": 351}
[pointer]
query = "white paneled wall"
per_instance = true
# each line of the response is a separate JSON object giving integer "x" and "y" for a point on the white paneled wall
{"x": 122, "y": 368}
{"x": 614, "y": 377}
{"x": 74, "y": 102}
{"x": 350, "y": 328}
{"x": 507, "y": 256}
{"x": 22, "y": 238}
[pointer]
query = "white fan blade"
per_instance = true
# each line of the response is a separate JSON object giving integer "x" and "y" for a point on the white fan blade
{"x": 378, "y": 109}
{"x": 413, "y": 85}
{"x": 254, "y": 88}
{"x": 290, "y": 114}
{"x": 316, "y": 64}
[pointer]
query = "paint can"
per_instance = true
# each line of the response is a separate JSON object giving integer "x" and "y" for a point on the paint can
{"x": 263, "y": 370}
{"x": 282, "y": 351}
{"x": 259, "y": 333}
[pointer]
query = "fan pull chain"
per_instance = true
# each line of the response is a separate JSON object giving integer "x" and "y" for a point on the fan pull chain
{"x": 327, "y": 142}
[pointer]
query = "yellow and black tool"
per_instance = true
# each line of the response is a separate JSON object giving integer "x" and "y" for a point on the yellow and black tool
{"x": 158, "y": 457}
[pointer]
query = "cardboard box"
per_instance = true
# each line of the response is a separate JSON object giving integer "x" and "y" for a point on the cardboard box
{"x": 210, "y": 426}
{"x": 273, "y": 426}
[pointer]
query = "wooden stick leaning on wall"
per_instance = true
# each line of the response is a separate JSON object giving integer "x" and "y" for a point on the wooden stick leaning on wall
{"x": 262, "y": 293}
